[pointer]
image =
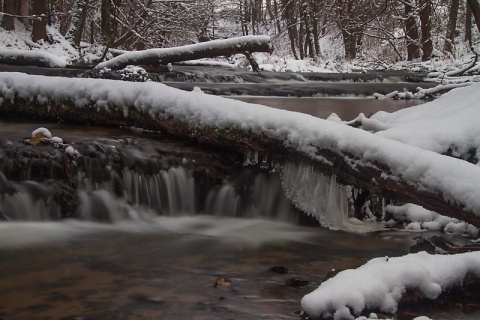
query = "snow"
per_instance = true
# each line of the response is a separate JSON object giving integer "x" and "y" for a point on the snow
{"x": 57, "y": 54}
{"x": 380, "y": 283}
{"x": 449, "y": 122}
{"x": 457, "y": 180}
{"x": 44, "y": 131}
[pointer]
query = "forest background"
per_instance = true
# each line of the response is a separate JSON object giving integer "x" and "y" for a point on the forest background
{"x": 386, "y": 31}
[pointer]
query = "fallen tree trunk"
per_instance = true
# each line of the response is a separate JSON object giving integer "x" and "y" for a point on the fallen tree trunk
{"x": 210, "y": 49}
{"x": 35, "y": 58}
{"x": 377, "y": 164}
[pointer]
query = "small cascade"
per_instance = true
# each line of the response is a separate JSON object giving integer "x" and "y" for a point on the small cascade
{"x": 251, "y": 195}
{"x": 27, "y": 200}
{"x": 316, "y": 194}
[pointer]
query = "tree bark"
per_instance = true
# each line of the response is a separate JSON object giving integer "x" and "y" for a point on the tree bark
{"x": 8, "y": 22}
{"x": 39, "y": 31}
{"x": 451, "y": 26}
{"x": 475, "y": 8}
{"x": 23, "y": 10}
{"x": 468, "y": 26}
{"x": 350, "y": 167}
{"x": 426, "y": 27}
{"x": 308, "y": 30}
{"x": 413, "y": 51}
{"x": 77, "y": 27}
{"x": 209, "y": 49}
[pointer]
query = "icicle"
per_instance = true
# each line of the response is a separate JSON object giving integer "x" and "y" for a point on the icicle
{"x": 250, "y": 158}
{"x": 316, "y": 194}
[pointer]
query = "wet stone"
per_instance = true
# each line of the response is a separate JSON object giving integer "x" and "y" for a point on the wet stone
{"x": 296, "y": 283}
{"x": 279, "y": 269}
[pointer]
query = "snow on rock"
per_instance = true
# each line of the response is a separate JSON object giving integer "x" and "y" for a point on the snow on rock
{"x": 44, "y": 131}
{"x": 70, "y": 151}
{"x": 423, "y": 219}
{"x": 457, "y": 180}
{"x": 45, "y": 58}
{"x": 380, "y": 283}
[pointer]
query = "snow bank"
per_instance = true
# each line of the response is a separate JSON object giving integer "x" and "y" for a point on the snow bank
{"x": 380, "y": 283}
{"x": 450, "y": 122}
{"x": 56, "y": 54}
{"x": 457, "y": 180}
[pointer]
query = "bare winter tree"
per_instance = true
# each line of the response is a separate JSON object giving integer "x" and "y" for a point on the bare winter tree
{"x": 475, "y": 9}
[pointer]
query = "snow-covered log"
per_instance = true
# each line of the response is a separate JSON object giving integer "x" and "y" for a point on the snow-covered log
{"x": 36, "y": 58}
{"x": 387, "y": 167}
{"x": 209, "y": 49}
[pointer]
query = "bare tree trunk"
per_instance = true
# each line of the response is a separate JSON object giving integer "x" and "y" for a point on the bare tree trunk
{"x": 350, "y": 44}
{"x": 39, "y": 31}
{"x": 308, "y": 30}
{"x": 426, "y": 27}
{"x": 275, "y": 7}
{"x": 291, "y": 36}
{"x": 8, "y": 22}
{"x": 23, "y": 10}
{"x": 468, "y": 26}
{"x": 451, "y": 26}
{"x": 475, "y": 8}
{"x": 106, "y": 23}
{"x": 79, "y": 21}
{"x": 413, "y": 51}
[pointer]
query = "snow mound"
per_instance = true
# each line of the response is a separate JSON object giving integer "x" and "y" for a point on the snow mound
{"x": 380, "y": 283}
{"x": 57, "y": 53}
{"x": 446, "y": 125}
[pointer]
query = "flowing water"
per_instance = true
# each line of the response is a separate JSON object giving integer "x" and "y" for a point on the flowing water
{"x": 161, "y": 221}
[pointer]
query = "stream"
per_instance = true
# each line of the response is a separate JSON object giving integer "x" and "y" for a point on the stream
{"x": 160, "y": 228}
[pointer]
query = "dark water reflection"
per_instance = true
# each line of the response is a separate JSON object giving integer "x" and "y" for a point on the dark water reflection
{"x": 345, "y": 108}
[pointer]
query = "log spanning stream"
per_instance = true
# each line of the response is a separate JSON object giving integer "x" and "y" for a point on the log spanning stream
{"x": 150, "y": 227}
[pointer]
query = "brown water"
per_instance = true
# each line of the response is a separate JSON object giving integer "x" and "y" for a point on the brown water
{"x": 152, "y": 273}
{"x": 166, "y": 267}
{"x": 346, "y": 108}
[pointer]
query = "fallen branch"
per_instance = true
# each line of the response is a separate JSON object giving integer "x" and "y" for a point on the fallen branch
{"x": 210, "y": 49}
{"x": 386, "y": 167}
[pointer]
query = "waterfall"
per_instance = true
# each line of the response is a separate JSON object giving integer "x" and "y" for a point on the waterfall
{"x": 316, "y": 194}
{"x": 132, "y": 195}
